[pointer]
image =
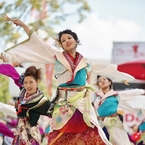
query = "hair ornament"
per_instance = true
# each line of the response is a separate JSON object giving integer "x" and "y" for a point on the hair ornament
{"x": 57, "y": 42}
{"x": 21, "y": 79}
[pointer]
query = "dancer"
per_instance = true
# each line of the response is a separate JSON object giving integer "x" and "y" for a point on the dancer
{"x": 107, "y": 106}
{"x": 73, "y": 116}
{"x": 29, "y": 106}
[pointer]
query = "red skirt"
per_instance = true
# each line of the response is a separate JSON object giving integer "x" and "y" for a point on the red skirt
{"x": 75, "y": 132}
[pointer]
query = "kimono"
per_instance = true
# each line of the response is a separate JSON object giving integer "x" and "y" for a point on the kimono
{"x": 113, "y": 100}
{"x": 106, "y": 110}
{"x": 29, "y": 110}
{"x": 73, "y": 117}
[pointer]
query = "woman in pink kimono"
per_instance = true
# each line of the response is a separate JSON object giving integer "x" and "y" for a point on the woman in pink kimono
{"x": 73, "y": 118}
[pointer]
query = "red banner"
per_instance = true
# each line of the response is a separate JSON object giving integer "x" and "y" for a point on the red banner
{"x": 49, "y": 74}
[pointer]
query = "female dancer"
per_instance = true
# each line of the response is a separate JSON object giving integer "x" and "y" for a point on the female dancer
{"x": 108, "y": 103}
{"x": 73, "y": 118}
{"x": 29, "y": 106}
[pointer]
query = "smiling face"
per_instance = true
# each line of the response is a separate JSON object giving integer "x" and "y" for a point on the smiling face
{"x": 68, "y": 43}
{"x": 30, "y": 84}
{"x": 104, "y": 83}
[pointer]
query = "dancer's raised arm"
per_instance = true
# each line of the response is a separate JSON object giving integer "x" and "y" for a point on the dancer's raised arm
{"x": 18, "y": 22}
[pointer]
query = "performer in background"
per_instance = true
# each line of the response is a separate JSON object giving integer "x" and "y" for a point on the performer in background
{"x": 106, "y": 104}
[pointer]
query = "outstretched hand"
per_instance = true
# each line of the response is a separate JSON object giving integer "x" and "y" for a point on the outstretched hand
{"x": 17, "y": 22}
{"x": 4, "y": 58}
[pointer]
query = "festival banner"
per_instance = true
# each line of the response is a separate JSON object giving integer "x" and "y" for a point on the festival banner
{"x": 49, "y": 75}
{"x": 128, "y": 51}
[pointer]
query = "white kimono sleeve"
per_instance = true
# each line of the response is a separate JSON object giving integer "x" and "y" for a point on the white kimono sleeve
{"x": 33, "y": 49}
{"x": 8, "y": 110}
{"x": 132, "y": 100}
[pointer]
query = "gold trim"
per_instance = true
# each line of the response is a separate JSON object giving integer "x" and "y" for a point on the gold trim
{"x": 30, "y": 34}
{"x": 35, "y": 99}
{"x": 42, "y": 101}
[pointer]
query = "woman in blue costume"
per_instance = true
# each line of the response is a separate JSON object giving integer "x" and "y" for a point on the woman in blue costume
{"x": 73, "y": 117}
{"x": 107, "y": 107}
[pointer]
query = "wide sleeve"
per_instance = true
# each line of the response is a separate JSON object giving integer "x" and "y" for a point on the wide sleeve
{"x": 132, "y": 100}
{"x": 35, "y": 113}
{"x": 33, "y": 49}
{"x": 129, "y": 94}
{"x": 8, "y": 110}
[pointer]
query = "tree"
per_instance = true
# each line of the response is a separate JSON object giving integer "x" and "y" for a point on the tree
{"x": 4, "y": 93}
{"x": 44, "y": 15}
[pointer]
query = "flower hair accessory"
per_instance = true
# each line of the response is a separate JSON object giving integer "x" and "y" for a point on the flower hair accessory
{"x": 57, "y": 42}
{"x": 21, "y": 79}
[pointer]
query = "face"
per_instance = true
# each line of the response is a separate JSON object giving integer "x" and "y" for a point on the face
{"x": 103, "y": 83}
{"x": 68, "y": 42}
{"x": 30, "y": 84}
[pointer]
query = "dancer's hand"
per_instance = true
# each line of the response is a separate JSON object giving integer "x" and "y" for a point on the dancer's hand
{"x": 17, "y": 22}
{"x": 4, "y": 58}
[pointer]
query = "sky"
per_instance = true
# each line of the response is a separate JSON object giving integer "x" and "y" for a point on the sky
{"x": 109, "y": 21}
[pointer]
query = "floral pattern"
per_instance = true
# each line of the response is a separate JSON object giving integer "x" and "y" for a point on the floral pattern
{"x": 26, "y": 135}
{"x": 89, "y": 137}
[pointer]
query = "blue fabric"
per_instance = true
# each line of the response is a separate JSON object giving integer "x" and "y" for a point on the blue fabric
{"x": 108, "y": 107}
{"x": 106, "y": 132}
{"x": 47, "y": 129}
{"x": 142, "y": 126}
{"x": 79, "y": 80}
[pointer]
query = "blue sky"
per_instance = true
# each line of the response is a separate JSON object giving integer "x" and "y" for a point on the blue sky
{"x": 109, "y": 21}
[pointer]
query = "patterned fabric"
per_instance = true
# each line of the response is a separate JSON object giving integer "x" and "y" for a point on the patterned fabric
{"x": 73, "y": 63}
{"x": 29, "y": 110}
{"x": 26, "y": 135}
{"x": 88, "y": 137}
{"x": 64, "y": 110}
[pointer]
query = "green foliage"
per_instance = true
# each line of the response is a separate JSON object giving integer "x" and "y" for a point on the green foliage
{"x": 4, "y": 92}
{"x": 44, "y": 15}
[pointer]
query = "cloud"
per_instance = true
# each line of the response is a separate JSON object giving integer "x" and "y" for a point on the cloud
{"x": 97, "y": 35}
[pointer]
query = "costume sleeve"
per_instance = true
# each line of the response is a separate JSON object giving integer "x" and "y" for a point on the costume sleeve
{"x": 10, "y": 71}
{"x": 33, "y": 49}
{"x": 8, "y": 109}
{"x": 6, "y": 131}
{"x": 34, "y": 114}
{"x": 129, "y": 94}
{"x": 132, "y": 100}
